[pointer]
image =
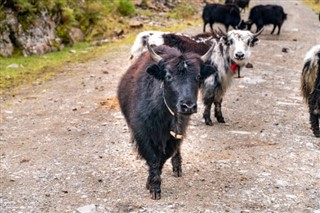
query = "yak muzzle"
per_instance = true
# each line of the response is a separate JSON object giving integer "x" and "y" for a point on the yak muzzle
{"x": 239, "y": 55}
{"x": 187, "y": 107}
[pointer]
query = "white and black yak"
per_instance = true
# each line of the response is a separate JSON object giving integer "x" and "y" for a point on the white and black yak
{"x": 310, "y": 86}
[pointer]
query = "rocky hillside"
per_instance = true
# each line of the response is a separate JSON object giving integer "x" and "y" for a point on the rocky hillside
{"x": 37, "y": 27}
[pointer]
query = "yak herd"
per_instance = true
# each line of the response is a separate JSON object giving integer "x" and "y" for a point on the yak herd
{"x": 159, "y": 91}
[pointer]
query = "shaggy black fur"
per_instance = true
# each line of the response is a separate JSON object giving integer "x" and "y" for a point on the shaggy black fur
{"x": 262, "y": 15}
{"x": 142, "y": 93}
{"x": 228, "y": 15}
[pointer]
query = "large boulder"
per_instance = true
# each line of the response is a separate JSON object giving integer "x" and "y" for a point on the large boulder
{"x": 38, "y": 38}
{"x": 6, "y": 46}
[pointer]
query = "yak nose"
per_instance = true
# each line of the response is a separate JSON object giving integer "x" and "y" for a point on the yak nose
{"x": 188, "y": 107}
{"x": 239, "y": 55}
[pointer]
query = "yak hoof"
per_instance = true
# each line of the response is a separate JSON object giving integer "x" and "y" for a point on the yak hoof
{"x": 316, "y": 134}
{"x": 155, "y": 191}
{"x": 208, "y": 121}
{"x": 220, "y": 120}
{"x": 155, "y": 195}
{"x": 177, "y": 172}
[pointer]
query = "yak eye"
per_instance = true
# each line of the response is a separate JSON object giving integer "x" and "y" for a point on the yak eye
{"x": 198, "y": 77}
{"x": 228, "y": 41}
{"x": 169, "y": 77}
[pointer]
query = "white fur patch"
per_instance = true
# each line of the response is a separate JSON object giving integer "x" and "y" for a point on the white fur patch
{"x": 153, "y": 37}
{"x": 312, "y": 54}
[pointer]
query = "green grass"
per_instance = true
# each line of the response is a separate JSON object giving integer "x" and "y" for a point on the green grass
{"x": 183, "y": 11}
{"x": 36, "y": 67}
{"x": 314, "y": 4}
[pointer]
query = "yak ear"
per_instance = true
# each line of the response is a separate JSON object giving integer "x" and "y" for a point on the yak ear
{"x": 254, "y": 42}
{"x": 207, "y": 70}
{"x": 156, "y": 72}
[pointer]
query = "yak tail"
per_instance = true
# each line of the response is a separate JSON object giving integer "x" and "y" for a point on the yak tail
{"x": 310, "y": 76}
{"x": 285, "y": 15}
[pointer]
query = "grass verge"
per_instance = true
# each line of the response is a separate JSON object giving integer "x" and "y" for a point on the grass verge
{"x": 314, "y": 4}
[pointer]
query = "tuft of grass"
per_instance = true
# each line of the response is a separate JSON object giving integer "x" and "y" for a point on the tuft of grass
{"x": 126, "y": 8}
{"x": 183, "y": 11}
{"x": 314, "y": 4}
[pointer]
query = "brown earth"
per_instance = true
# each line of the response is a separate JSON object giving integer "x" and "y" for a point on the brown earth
{"x": 65, "y": 145}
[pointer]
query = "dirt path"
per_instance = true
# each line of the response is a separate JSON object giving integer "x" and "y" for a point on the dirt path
{"x": 64, "y": 145}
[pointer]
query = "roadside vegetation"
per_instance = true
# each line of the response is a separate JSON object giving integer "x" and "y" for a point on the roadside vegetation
{"x": 98, "y": 19}
{"x": 314, "y": 4}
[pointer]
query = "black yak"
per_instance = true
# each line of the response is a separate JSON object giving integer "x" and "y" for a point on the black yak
{"x": 243, "y": 4}
{"x": 157, "y": 95}
{"x": 228, "y": 15}
{"x": 262, "y": 15}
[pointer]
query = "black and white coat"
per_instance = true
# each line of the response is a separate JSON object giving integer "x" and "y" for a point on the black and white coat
{"x": 310, "y": 86}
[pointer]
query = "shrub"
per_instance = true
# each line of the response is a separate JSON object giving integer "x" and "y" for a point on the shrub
{"x": 68, "y": 18}
{"x": 183, "y": 10}
{"x": 126, "y": 8}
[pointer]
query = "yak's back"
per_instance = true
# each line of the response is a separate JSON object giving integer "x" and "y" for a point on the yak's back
{"x": 267, "y": 13}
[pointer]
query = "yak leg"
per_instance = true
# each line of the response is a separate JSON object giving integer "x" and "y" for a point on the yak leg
{"x": 314, "y": 114}
{"x": 211, "y": 26}
{"x": 176, "y": 164}
{"x": 217, "y": 111}
{"x": 274, "y": 27}
{"x": 207, "y": 111}
{"x": 227, "y": 27}
{"x": 204, "y": 26}
{"x": 314, "y": 121}
{"x": 279, "y": 28}
{"x": 154, "y": 179}
{"x": 259, "y": 26}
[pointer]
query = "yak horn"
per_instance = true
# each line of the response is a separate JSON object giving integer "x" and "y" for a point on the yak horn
{"x": 258, "y": 33}
{"x": 222, "y": 33}
{"x": 155, "y": 57}
{"x": 208, "y": 54}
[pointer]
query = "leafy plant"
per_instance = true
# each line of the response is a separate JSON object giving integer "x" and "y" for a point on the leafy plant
{"x": 126, "y": 8}
{"x": 183, "y": 10}
{"x": 68, "y": 18}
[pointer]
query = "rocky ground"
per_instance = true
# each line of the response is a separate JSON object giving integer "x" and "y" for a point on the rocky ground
{"x": 65, "y": 145}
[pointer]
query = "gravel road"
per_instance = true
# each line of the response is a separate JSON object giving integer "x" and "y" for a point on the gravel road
{"x": 65, "y": 145}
